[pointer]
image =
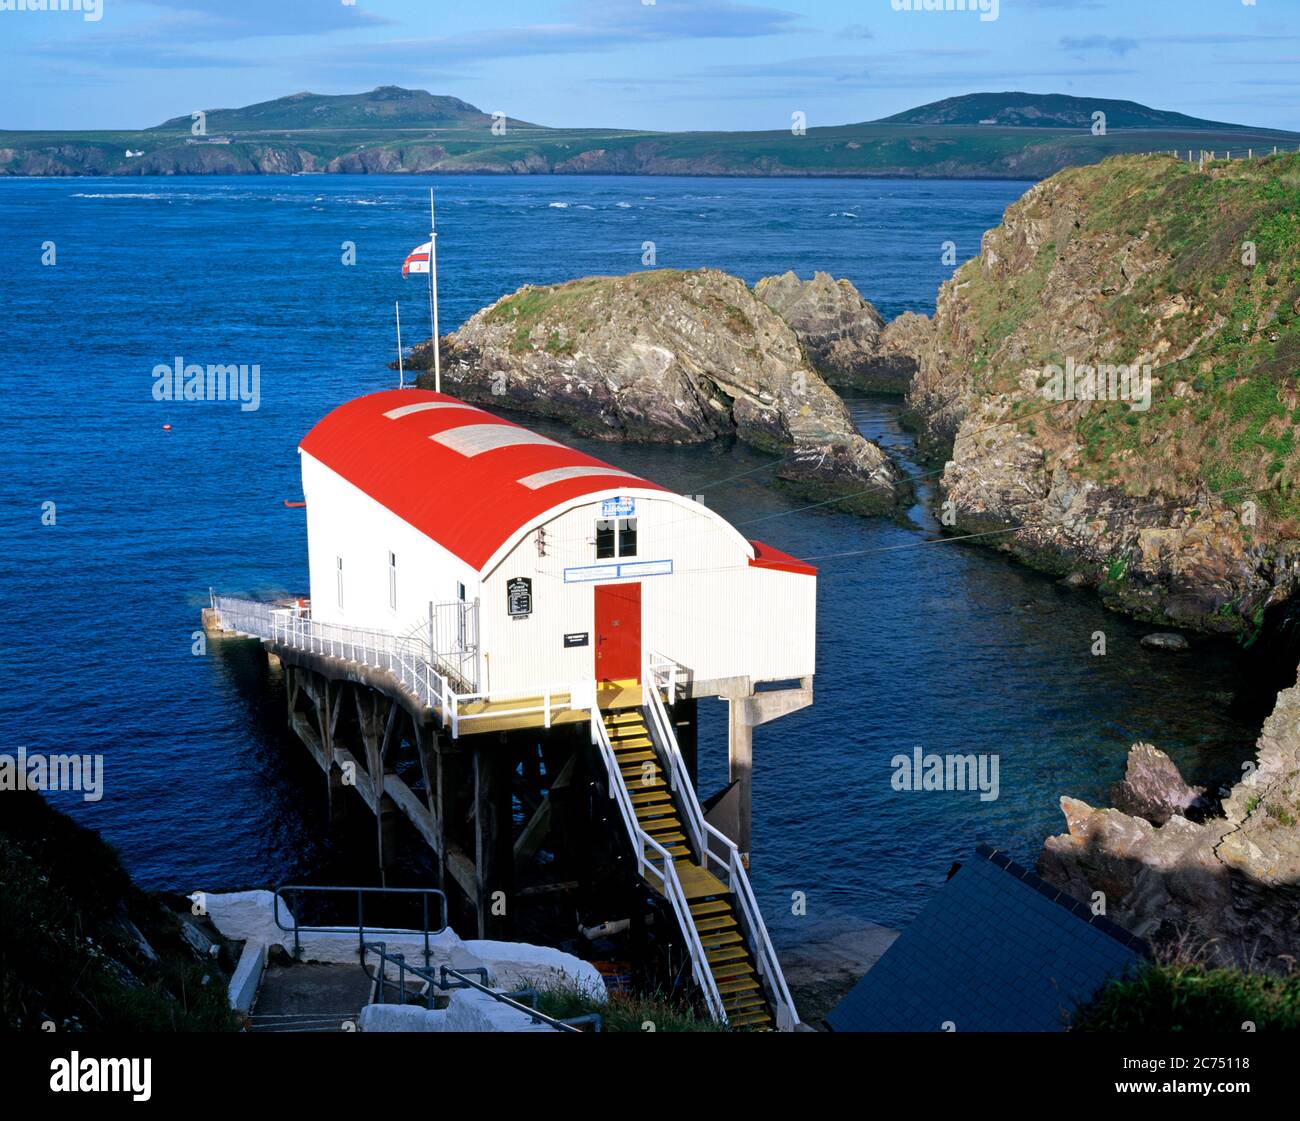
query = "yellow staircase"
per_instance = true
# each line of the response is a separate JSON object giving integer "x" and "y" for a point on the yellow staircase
{"x": 711, "y": 903}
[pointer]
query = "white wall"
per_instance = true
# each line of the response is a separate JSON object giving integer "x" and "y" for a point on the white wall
{"x": 344, "y": 522}
{"x": 715, "y": 614}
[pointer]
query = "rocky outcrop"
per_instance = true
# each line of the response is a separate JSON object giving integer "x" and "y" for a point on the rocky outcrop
{"x": 668, "y": 357}
{"x": 1230, "y": 884}
{"x": 1168, "y": 487}
{"x": 842, "y": 334}
{"x": 1153, "y": 789}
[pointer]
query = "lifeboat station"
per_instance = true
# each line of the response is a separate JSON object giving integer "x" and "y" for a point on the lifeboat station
{"x": 505, "y": 644}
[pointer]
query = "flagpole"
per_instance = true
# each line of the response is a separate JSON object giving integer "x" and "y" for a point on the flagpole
{"x": 401, "y": 372}
{"x": 433, "y": 293}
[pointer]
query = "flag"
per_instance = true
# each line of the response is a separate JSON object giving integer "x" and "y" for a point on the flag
{"x": 417, "y": 260}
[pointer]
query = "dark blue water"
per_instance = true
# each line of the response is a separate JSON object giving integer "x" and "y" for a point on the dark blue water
{"x": 938, "y": 645}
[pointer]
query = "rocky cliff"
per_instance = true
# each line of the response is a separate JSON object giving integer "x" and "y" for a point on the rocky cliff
{"x": 1228, "y": 880}
{"x": 844, "y": 336}
{"x": 1113, "y": 384}
{"x": 664, "y": 356}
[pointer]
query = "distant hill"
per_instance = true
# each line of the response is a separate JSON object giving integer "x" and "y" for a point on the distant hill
{"x": 1045, "y": 110}
{"x": 395, "y": 131}
{"x": 388, "y": 107}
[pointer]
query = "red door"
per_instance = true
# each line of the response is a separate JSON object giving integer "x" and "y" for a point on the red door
{"x": 618, "y": 632}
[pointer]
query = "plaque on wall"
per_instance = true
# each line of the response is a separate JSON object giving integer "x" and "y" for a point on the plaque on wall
{"x": 519, "y": 597}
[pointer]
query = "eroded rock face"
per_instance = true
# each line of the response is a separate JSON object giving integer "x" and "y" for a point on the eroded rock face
{"x": 1130, "y": 501}
{"x": 1153, "y": 789}
{"x": 671, "y": 357}
{"x": 844, "y": 336}
{"x": 1231, "y": 884}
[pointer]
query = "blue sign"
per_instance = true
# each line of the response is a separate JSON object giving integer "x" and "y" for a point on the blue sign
{"x": 618, "y": 508}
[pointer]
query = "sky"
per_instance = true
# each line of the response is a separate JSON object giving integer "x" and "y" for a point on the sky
{"x": 666, "y": 64}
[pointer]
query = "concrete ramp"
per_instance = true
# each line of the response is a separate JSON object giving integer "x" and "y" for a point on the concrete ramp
{"x": 310, "y": 996}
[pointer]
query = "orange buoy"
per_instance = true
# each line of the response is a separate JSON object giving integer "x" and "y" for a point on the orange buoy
{"x": 167, "y": 427}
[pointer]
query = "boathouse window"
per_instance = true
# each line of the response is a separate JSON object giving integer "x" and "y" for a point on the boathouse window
{"x": 338, "y": 562}
{"x": 392, "y": 581}
{"x": 627, "y": 537}
{"x": 604, "y": 539}
{"x": 615, "y": 537}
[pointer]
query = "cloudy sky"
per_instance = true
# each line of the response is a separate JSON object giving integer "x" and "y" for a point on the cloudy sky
{"x": 670, "y": 64}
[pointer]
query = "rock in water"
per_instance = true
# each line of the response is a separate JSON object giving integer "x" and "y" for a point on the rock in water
{"x": 671, "y": 357}
{"x": 1153, "y": 789}
{"x": 1164, "y": 641}
{"x": 843, "y": 334}
{"x": 1230, "y": 882}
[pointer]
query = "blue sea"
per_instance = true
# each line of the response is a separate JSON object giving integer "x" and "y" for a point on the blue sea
{"x": 942, "y": 646}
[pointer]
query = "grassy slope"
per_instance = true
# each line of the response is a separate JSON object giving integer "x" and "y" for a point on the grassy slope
{"x": 1236, "y": 430}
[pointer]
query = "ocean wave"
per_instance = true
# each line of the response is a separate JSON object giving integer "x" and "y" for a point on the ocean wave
{"x": 623, "y": 205}
{"x": 122, "y": 195}
{"x": 558, "y": 205}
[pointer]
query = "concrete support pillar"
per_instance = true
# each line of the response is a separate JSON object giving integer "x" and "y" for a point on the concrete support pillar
{"x": 482, "y": 838}
{"x": 740, "y": 767}
{"x": 745, "y": 710}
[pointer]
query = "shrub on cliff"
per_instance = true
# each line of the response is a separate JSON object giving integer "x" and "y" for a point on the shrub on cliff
{"x": 1186, "y": 996}
{"x": 80, "y": 946}
{"x": 624, "y": 1012}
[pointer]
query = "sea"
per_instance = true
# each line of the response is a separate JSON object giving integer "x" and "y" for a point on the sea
{"x": 122, "y": 511}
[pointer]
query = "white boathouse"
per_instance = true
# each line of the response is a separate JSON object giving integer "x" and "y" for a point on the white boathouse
{"x": 538, "y": 570}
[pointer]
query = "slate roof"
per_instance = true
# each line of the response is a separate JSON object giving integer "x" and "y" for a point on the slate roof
{"x": 997, "y": 949}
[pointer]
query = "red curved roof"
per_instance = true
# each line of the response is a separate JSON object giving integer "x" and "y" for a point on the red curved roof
{"x": 461, "y": 476}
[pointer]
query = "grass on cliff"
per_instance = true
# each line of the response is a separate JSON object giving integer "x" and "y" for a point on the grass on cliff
{"x": 568, "y": 309}
{"x": 1217, "y": 261}
{"x": 1178, "y": 995}
{"x": 66, "y": 953}
{"x": 626, "y": 1012}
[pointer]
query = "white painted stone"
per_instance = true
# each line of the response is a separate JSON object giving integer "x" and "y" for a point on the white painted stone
{"x": 401, "y": 1017}
{"x": 249, "y": 916}
{"x": 247, "y": 976}
{"x": 518, "y": 964}
{"x": 473, "y": 1011}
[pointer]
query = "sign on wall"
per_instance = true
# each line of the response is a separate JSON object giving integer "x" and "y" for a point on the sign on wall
{"x": 577, "y": 638}
{"x": 519, "y": 597}
{"x": 618, "y": 507}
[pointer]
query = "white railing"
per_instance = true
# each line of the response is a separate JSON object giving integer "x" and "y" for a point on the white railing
{"x": 718, "y": 853}
{"x": 664, "y": 873}
{"x": 439, "y": 679}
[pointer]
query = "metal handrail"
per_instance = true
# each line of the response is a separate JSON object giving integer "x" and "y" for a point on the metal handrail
{"x": 360, "y": 928}
{"x": 670, "y": 883}
{"x": 463, "y": 981}
{"x": 733, "y": 867}
{"x": 424, "y": 672}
